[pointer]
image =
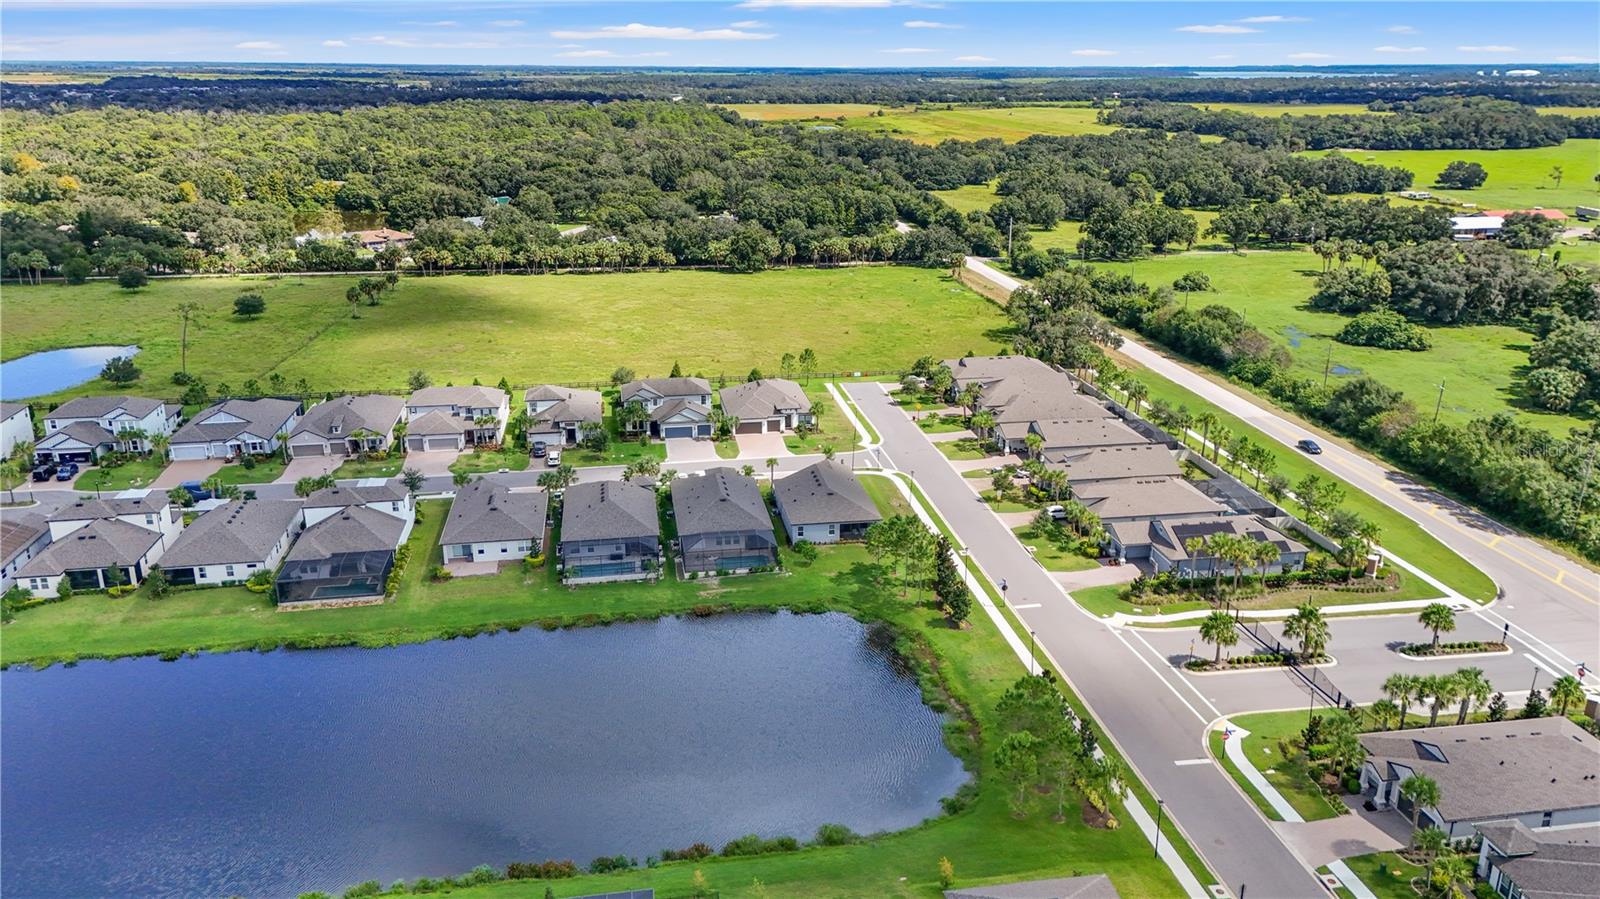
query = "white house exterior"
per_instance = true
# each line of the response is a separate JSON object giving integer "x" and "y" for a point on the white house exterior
{"x": 491, "y": 523}
{"x": 770, "y": 404}
{"x": 824, "y": 503}
{"x": 22, "y": 536}
{"x": 16, "y": 426}
{"x": 1475, "y": 227}
{"x": 388, "y": 496}
{"x": 83, "y": 429}
{"x": 562, "y": 416}
{"x": 232, "y": 542}
{"x": 444, "y": 418}
{"x": 676, "y": 407}
{"x": 233, "y": 428}
{"x": 90, "y": 537}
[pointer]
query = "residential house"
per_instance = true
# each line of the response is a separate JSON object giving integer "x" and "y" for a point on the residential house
{"x": 1554, "y": 215}
{"x": 562, "y": 416}
{"x": 454, "y": 418}
{"x": 1143, "y": 499}
{"x": 1092, "y": 466}
{"x": 348, "y": 547}
{"x": 347, "y": 426}
{"x": 232, "y": 542}
{"x": 1087, "y": 886}
{"x": 234, "y": 428}
{"x": 770, "y": 404}
{"x": 1067, "y": 435}
{"x": 98, "y": 543}
{"x": 381, "y": 238}
{"x": 1020, "y": 390}
{"x": 609, "y": 532}
{"x": 84, "y": 429}
{"x": 1475, "y": 227}
{"x": 16, "y": 427}
{"x": 824, "y": 503}
{"x": 1163, "y": 542}
{"x": 1542, "y": 772}
{"x": 1521, "y": 862}
{"x": 723, "y": 524}
{"x": 22, "y": 536}
{"x": 491, "y": 523}
{"x": 675, "y": 407}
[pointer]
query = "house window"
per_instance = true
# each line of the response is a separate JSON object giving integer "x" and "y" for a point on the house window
{"x": 149, "y": 518}
{"x": 200, "y": 572}
{"x": 800, "y": 531}
{"x": 480, "y": 550}
{"x": 1548, "y": 816}
{"x": 228, "y": 571}
{"x": 394, "y": 506}
{"x": 251, "y": 565}
{"x": 832, "y": 529}
{"x": 502, "y": 550}
{"x": 37, "y": 584}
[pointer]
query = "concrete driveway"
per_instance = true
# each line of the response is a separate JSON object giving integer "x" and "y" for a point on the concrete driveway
{"x": 436, "y": 462}
{"x": 308, "y": 467}
{"x": 191, "y": 470}
{"x": 762, "y": 446}
{"x": 685, "y": 449}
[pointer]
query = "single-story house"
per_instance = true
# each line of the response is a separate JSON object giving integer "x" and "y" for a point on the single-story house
{"x": 1543, "y": 772}
{"x": 91, "y": 539}
{"x": 723, "y": 523}
{"x": 609, "y": 532}
{"x": 347, "y": 549}
{"x": 562, "y": 416}
{"x": 1554, "y": 215}
{"x": 1163, "y": 540}
{"x": 234, "y": 428}
{"x": 681, "y": 418}
{"x": 491, "y": 523}
{"x": 381, "y": 238}
{"x": 117, "y": 415}
{"x": 233, "y": 541}
{"x": 1521, "y": 862}
{"x": 1068, "y": 434}
{"x": 1021, "y": 390}
{"x": 824, "y": 503}
{"x": 22, "y": 536}
{"x": 1475, "y": 227}
{"x": 681, "y": 393}
{"x": 1087, "y": 886}
{"x": 770, "y": 404}
{"x": 479, "y": 417}
{"x": 16, "y": 426}
{"x": 1096, "y": 465}
{"x": 347, "y": 426}
{"x": 1142, "y": 499}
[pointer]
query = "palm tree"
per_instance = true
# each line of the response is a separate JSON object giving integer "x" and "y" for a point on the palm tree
{"x": 1438, "y": 617}
{"x": 1137, "y": 391}
{"x": 1034, "y": 443}
{"x": 1450, "y": 873}
{"x": 1196, "y": 547}
{"x": 1403, "y": 690}
{"x": 1180, "y": 421}
{"x": 1431, "y": 843}
{"x": 983, "y": 422}
{"x": 1309, "y": 627}
{"x": 1564, "y": 692}
{"x": 1443, "y": 689}
{"x": 1384, "y": 712}
{"x": 1218, "y": 628}
{"x": 1265, "y": 553}
{"x": 1205, "y": 421}
{"x": 1475, "y": 690}
{"x": 772, "y": 468}
{"x": 1420, "y": 790}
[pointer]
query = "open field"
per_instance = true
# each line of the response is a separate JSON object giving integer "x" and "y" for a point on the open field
{"x": 1480, "y": 365}
{"x": 790, "y": 112}
{"x": 528, "y": 329}
{"x": 1066, "y": 234}
{"x": 1518, "y": 179}
{"x": 932, "y": 124}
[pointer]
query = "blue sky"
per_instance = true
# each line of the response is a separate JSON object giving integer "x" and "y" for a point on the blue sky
{"x": 878, "y": 33}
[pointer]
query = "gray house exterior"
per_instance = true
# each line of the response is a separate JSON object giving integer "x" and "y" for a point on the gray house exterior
{"x": 771, "y": 404}
{"x": 492, "y": 523}
{"x": 562, "y": 416}
{"x": 824, "y": 503}
{"x": 1519, "y": 862}
{"x": 234, "y": 541}
{"x": 347, "y": 426}
{"x": 723, "y": 525}
{"x": 1162, "y": 540}
{"x": 609, "y": 532}
{"x": 676, "y": 407}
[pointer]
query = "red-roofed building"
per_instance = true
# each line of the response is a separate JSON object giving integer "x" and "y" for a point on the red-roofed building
{"x": 1554, "y": 215}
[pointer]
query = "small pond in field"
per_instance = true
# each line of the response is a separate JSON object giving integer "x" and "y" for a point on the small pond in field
{"x": 271, "y": 774}
{"x": 37, "y": 374}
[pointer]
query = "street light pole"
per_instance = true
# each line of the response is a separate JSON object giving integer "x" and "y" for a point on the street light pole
{"x": 1030, "y": 653}
{"x": 1161, "y": 806}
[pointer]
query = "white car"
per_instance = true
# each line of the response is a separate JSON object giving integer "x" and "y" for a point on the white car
{"x": 1056, "y": 512}
{"x": 552, "y": 459}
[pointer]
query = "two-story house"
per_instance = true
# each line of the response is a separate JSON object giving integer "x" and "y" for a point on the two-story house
{"x": 348, "y": 547}
{"x": 83, "y": 429}
{"x": 99, "y": 543}
{"x": 16, "y": 426}
{"x": 454, "y": 418}
{"x": 674, "y": 407}
{"x": 234, "y": 428}
{"x": 562, "y": 416}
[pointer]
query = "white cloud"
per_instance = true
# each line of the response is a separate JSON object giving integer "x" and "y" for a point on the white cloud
{"x": 1390, "y": 48}
{"x": 1222, "y": 56}
{"x": 1217, "y": 29}
{"x": 1578, "y": 59}
{"x": 1094, "y": 52}
{"x": 923, "y": 23}
{"x": 1309, "y": 55}
{"x": 258, "y": 45}
{"x": 974, "y": 59}
{"x": 1262, "y": 20}
{"x": 636, "y": 30}
{"x": 335, "y": 43}
{"x": 1400, "y": 29}
{"x": 507, "y": 23}
{"x": 1487, "y": 48}
{"x": 908, "y": 50}
{"x": 748, "y": 23}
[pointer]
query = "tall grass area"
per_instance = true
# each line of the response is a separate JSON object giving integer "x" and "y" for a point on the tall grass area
{"x": 932, "y": 123}
{"x": 1518, "y": 179}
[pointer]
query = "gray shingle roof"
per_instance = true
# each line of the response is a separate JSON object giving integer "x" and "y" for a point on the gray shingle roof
{"x": 474, "y": 395}
{"x": 101, "y": 406}
{"x": 667, "y": 387}
{"x": 608, "y": 510}
{"x": 111, "y": 506}
{"x": 1149, "y": 460}
{"x": 1498, "y": 769}
{"x": 1089, "y": 886}
{"x": 572, "y": 404}
{"x": 437, "y": 423}
{"x": 1546, "y": 863}
{"x": 18, "y": 531}
{"x": 824, "y": 493}
{"x": 760, "y": 399}
{"x": 1081, "y": 433}
{"x": 483, "y": 512}
{"x": 9, "y": 409}
{"x": 1145, "y": 498}
{"x": 355, "y": 530}
{"x": 263, "y": 418}
{"x": 721, "y": 499}
{"x": 236, "y": 531}
{"x": 672, "y": 407}
{"x": 360, "y": 493}
{"x": 98, "y": 544}
{"x": 1169, "y": 535}
{"x": 85, "y": 432}
{"x": 373, "y": 412}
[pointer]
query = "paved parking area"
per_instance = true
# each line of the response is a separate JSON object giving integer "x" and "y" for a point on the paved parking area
{"x": 192, "y": 470}
{"x": 686, "y": 449}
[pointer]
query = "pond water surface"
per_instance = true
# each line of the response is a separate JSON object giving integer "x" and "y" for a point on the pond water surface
{"x": 269, "y": 774}
{"x": 37, "y": 374}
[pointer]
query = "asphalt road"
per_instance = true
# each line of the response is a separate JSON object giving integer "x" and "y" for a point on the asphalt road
{"x": 1151, "y": 713}
{"x": 1551, "y": 601}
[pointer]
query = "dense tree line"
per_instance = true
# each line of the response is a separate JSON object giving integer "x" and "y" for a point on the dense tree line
{"x": 1434, "y": 123}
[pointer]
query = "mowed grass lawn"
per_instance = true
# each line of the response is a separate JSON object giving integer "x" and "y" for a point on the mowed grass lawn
{"x": 1480, "y": 365}
{"x": 1518, "y": 179}
{"x": 528, "y": 329}
{"x": 932, "y": 124}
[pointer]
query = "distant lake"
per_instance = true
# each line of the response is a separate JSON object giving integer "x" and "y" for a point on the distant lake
{"x": 37, "y": 374}
{"x": 268, "y": 774}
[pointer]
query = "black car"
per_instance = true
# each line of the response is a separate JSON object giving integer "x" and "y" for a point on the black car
{"x": 67, "y": 472}
{"x": 538, "y": 449}
{"x": 1310, "y": 446}
{"x": 44, "y": 471}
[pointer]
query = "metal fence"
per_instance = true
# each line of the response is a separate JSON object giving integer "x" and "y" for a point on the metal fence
{"x": 1314, "y": 678}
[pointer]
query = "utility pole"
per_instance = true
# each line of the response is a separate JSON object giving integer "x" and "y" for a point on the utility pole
{"x": 1438, "y": 402}
{"x": 1327, "y": 365}
{"x": 1010, "y": 223}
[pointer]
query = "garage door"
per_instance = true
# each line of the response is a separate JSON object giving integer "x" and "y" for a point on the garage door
{"x": 749, "y": 427}
{"x": 774, "y": 424}
{"x": 443, "y": 443}
{"x": 416, "y": 443}
{"x": 188, "y": 452}
{"x": 680, "y": 431}
{"x": 307, "y": 449}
